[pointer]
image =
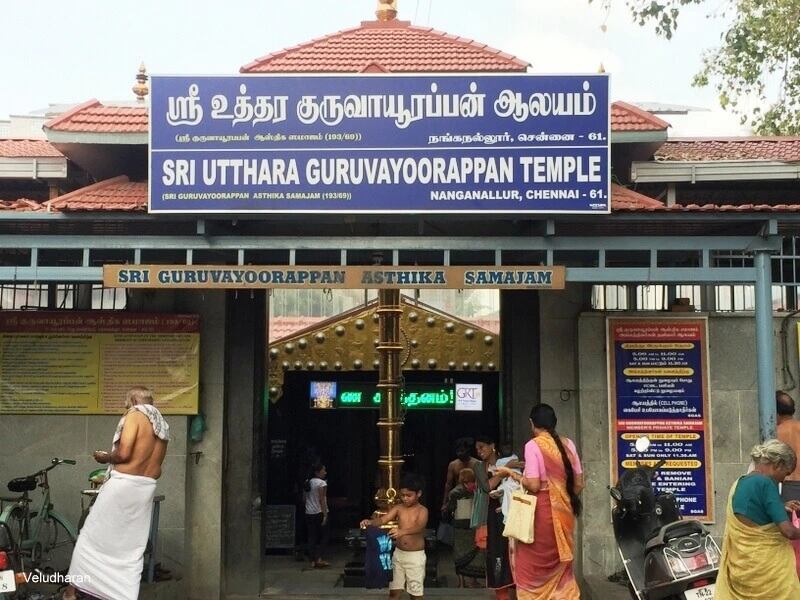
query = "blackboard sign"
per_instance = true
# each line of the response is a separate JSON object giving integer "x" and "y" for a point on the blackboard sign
{"x": 279, "y": 519}
{"x": 277, "y": 449}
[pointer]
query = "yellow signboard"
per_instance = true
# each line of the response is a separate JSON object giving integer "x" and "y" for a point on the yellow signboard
{"x": 85, "y": 362}
{"x": 367, "y": 277}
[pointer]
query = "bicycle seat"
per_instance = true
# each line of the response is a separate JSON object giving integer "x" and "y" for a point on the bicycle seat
{"x": 102, "y": 472}
{"x": 22, "y": 484}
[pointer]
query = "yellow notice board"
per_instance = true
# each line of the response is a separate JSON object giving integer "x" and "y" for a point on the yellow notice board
{"x": 85, "y": 362}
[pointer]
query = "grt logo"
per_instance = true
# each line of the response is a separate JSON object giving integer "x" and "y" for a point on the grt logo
{"x": 468, "y": 392}
{"x": 469, "y": 396}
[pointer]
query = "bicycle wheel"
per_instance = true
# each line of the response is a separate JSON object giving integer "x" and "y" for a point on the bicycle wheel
{"x": 56, "y": 544}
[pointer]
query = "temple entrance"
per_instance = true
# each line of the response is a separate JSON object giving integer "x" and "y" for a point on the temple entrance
{"x": 324, "y": 405}
{"x": 346, "y": 439}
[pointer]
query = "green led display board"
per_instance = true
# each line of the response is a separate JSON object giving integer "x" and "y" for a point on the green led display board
{"x": 414, "y": 396}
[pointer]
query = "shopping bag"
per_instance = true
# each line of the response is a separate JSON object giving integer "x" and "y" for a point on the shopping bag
{"x": 445, "y": 533}
{"x": 463, "y": 509}
{"x": 480, "y": 509}
{"x": 521, "y": 512}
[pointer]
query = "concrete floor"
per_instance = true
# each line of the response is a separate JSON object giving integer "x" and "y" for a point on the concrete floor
{"x": 288, "y": 579}
{"x": 162, "y": 590}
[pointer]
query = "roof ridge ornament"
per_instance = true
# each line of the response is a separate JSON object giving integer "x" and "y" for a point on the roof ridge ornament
{"x": 140, "y": 88}
{"x": 387, "y": 10}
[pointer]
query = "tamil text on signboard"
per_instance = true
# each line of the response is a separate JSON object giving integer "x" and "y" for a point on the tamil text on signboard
{"x": 85, "y": 362}
{"x": 380, "y": 144}
{"x": 337, "y": 394}
{"x": 658, "y": 380}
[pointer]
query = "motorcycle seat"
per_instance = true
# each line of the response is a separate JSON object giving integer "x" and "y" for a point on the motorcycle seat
{"x": 22, "y": 484}
{"x": 675, "y": 530}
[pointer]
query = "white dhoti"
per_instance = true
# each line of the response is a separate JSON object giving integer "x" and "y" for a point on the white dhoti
{"x": 109, "y": 553}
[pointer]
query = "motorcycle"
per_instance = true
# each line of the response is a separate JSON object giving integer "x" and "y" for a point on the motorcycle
{"x": 665, "y": 556}
{"x": 12, "y": 580}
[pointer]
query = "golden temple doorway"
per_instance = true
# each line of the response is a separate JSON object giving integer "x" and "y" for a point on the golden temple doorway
{"x": 324, "y": 401}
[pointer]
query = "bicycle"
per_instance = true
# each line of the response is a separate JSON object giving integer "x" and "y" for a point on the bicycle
{"x": 44, "y": 537}
{"x": 96, "y": 479}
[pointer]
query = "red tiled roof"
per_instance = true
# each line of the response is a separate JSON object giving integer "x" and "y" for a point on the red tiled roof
{"x": 734, "y": 148}
{"x": 393, "y": 46}
{"x": 28, "y": 149}
{"x": 281, "y": 327}
{"x": 716, "y": 208}
{"x": 135, "y": 119}
{"x": 118, "y": 193}
{"x": 121, "y": 194}
{"x": 626, "y": 117}
{"x": 94, "y": 117}
{"x": 21, "y": 205}
{"x": 623, "y": 198}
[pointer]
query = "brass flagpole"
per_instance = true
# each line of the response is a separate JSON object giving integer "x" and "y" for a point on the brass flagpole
{"x": 389, "y": 348}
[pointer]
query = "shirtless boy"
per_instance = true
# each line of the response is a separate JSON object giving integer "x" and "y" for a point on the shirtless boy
{"x": 408, "y": 560}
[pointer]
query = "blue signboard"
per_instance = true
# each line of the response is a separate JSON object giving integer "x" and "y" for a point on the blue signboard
{"x": 380, "y": 144}
{"x": 659, "y": 389}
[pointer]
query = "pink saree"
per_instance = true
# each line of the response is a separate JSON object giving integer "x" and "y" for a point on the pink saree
{"x": 543, "y": 570}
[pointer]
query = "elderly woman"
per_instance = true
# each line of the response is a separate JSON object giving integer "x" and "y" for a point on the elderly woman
{"x": 757, "y": 559}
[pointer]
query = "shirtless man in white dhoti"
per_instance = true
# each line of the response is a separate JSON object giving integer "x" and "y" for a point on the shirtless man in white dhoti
{"x": 109, "y": 553}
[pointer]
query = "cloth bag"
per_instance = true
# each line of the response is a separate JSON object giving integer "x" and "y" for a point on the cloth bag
{"x": 521, "y": 513}
{"x": 463, "y": 509}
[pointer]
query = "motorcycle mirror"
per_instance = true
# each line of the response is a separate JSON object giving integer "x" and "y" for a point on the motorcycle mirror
{"x": 642, "y": 444}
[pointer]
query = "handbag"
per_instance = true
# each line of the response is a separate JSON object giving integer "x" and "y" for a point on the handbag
{"x": 521, "y": 513}
{"x": 463, "y": 509}
{"x": 445, "y": 534}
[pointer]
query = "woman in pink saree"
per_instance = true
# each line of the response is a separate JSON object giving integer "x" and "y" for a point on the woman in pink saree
{"x": 543, "y": 570}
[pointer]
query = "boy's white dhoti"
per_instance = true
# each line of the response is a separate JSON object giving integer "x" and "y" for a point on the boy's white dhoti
{"x": 109, "y": 554}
